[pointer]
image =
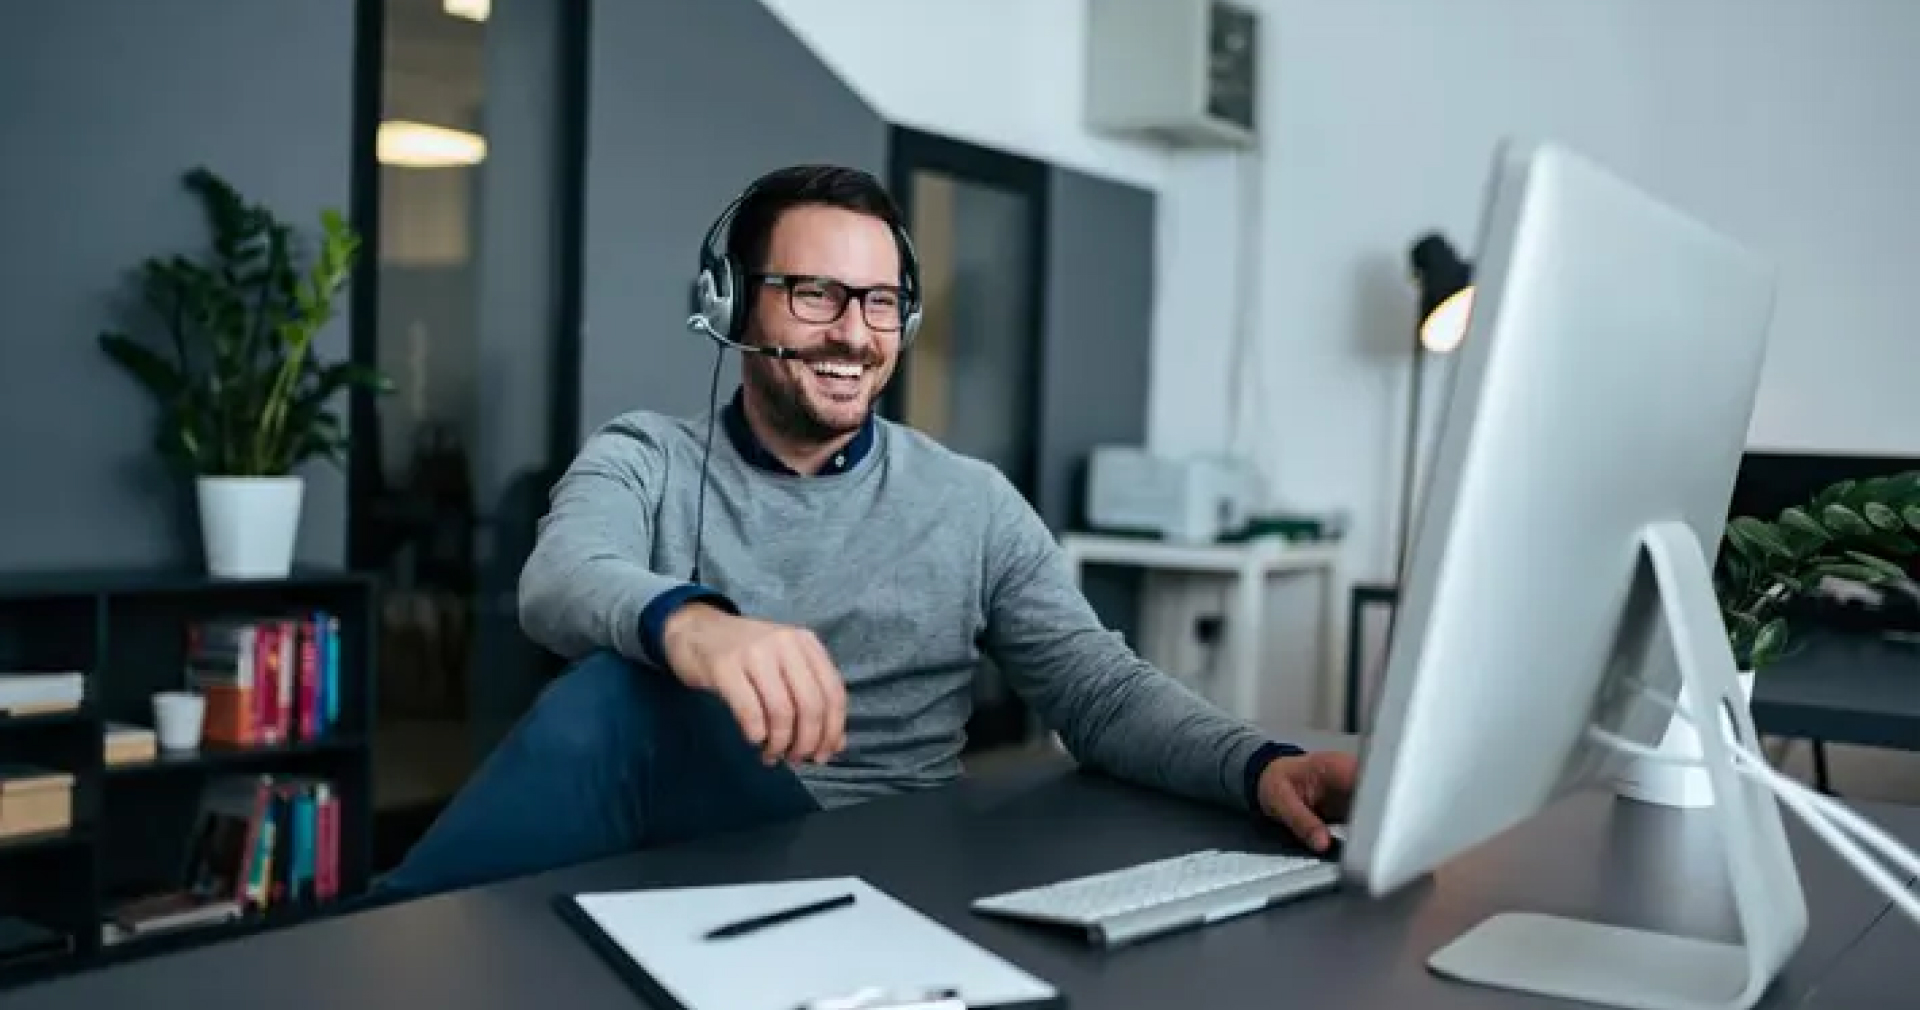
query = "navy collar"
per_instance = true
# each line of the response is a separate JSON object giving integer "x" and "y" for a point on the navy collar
{"x": 740, "y": 433}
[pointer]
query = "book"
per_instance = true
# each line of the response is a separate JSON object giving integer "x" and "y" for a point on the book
{"x": 267, "y": 681}
{"x": 125, "y": 743}
{"x": 36, "y": 693}
{"x": 266, "y": 843}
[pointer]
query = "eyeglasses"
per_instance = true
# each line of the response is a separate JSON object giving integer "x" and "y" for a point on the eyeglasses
{"x": 824, "y": 300}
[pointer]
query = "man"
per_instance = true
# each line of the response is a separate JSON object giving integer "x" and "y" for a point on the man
{"x": 851, "y": 573}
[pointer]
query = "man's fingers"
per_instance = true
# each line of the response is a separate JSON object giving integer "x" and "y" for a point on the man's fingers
{"x": 777, "y": 702}
{"x": 809, "y": 705}
{"x": 834, "y": 690}
{"x": 740, "y": 696}
{"x": 1340, "y": 776}
{"x": 1292, "y": 811}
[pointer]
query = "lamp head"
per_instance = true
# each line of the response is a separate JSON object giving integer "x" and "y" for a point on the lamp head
{"x": 1446, "y": 293}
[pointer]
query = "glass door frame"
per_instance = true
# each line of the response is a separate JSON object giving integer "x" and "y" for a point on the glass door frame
{"x": 910, "y": 151}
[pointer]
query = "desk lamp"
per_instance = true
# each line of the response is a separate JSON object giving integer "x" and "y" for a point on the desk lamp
{"x": 1446, "y": 300}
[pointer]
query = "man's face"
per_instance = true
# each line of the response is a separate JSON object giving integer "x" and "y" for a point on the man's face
{"x": 808, "y": 298}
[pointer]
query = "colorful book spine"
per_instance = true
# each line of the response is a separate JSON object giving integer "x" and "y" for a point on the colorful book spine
{"x": 269, "y": 843}
{"x": 269, "y": 681}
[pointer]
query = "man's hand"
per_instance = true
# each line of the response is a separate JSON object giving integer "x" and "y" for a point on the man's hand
{"x": 784, "y": 690}
{"x": 1305, "y": 791}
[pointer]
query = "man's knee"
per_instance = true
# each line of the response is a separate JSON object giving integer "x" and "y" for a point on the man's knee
{"x": 607, "y": 707}
{"x": 598, "y": 707}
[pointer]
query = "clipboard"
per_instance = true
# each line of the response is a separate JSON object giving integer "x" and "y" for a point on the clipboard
{"x": 874, "y": 954}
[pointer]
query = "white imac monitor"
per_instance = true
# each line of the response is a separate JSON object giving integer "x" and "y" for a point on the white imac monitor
{"x": 1560, "y": 576}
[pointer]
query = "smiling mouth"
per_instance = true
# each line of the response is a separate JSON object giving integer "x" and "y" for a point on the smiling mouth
{"x": 838, "y": 370}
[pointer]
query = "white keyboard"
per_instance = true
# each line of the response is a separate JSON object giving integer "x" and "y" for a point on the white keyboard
{"x": 1135, "y": 902}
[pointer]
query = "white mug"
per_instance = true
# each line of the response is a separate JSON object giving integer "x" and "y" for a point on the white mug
{"x": 177, "y": 718}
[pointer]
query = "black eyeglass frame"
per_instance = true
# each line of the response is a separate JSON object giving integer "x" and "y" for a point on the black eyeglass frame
{"x": 849, "y": 294}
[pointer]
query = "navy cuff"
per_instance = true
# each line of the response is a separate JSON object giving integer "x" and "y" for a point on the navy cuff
{"x": 1257, "y": 766}
{"x": 653, "y": 620}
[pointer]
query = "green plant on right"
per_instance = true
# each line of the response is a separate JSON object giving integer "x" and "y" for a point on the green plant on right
{"x": 1854, "y": 529}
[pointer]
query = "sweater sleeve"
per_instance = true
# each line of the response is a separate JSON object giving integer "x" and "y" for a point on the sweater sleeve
{"x": 1114, "y": 712}
{"x": 587, "y": 584}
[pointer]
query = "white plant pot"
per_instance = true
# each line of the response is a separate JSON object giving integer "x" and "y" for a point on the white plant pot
{"x": 248, "y": 525}
{"x": 1666, "y": 783}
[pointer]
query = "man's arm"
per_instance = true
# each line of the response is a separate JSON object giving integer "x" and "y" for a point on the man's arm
{"x": 1113, "y": 711}
{"x": 588, "y": 583}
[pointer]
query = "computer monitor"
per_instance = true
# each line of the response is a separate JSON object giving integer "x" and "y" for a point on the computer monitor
{"x": 1561, "y": 576}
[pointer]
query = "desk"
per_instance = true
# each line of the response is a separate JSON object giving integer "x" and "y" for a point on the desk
{"x": 1251, "y": 565}
{"x": 1841, "y": 688}
{"x": 1879, "y": 974}
{"x": 503, "y": 947}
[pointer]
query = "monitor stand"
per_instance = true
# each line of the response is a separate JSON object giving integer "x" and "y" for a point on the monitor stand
{"x": 1642, "y": 969}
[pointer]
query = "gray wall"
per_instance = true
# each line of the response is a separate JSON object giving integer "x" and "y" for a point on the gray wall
{"x": 103, "y": 105}
{"x": 658, "y": 169}
{"x": 1098, "y": 312}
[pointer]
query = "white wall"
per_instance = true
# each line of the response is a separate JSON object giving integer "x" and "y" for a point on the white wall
{"x": 1787, "y": 123}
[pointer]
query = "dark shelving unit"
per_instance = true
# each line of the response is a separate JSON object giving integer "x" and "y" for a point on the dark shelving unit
{"x": 132, "y": 825}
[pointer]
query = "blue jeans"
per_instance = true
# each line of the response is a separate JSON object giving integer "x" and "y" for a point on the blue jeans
{"x": 612, "y": 758}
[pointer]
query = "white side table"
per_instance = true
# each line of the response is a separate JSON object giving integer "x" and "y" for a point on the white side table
{"x": 1251, "y": 566}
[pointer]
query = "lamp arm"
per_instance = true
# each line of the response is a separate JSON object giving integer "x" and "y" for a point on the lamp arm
{"x": 1410, "y": 460}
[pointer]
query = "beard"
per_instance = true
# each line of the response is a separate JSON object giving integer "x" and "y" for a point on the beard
{"x": 790, "y": 401}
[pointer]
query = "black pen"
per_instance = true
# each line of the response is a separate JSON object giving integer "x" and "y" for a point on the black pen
{"x": 760, "y": 922}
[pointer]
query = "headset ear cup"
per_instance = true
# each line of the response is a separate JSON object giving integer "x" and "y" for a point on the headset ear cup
{"x": 910, "y": 327}
{"x": 736, "y": 301}
{"x": 716, "y": 300}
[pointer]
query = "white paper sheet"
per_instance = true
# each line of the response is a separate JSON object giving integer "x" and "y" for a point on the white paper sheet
{"x": 876, "y": 941}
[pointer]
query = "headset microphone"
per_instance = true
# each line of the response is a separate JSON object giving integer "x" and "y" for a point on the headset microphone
{"x": 700, "y": 324}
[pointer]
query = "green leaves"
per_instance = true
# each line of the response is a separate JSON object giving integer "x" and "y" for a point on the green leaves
{"x": 1845, "y": 521}
{"x": 1851, "y": 530}
{"x": 1757, "y": 540}
{"x": 160, "y": 377}
{"x": 1767, "y": 645}
{"x": 239, "y": 390}
{"x": 1799, "y": 524}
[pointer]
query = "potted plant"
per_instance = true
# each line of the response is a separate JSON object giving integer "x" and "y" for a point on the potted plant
{"x": 1849, "y": 531}
{"x": 243, "y": 398}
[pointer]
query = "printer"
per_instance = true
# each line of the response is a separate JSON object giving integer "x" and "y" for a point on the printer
{"x": 1196, "y": 500}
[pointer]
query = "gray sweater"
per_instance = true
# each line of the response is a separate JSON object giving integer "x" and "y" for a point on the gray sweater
{"x": 908, "y": 561}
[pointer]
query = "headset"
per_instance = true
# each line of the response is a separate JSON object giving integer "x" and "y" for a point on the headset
{"x": 720, "y": 311}
{"x": 719, "y": 299}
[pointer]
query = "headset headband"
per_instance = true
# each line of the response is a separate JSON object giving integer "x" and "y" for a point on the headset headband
{"x": 718, "y": 289}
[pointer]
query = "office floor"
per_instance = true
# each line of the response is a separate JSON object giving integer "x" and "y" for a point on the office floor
{"x": 1863, "y": 773}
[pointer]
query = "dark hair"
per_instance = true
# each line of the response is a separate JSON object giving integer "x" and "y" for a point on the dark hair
{"x": 777, "y": 192}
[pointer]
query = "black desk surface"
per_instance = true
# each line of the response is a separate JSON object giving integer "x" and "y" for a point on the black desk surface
{"x": 503, "y": 947}
{"x": 1844, "y": 688}
{"x": 1883, "y": 973}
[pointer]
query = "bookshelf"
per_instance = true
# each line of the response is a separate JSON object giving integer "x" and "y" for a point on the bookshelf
{"x": 134, "y": 825}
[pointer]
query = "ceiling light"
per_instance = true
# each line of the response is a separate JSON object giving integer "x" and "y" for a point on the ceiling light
{"x": 405, "y": 144}
{"x": 472, "y": 10}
